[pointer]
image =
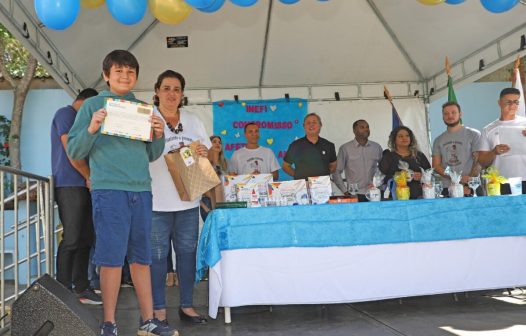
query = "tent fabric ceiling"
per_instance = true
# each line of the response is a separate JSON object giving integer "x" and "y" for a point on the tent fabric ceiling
{"x": 271, "y": 44}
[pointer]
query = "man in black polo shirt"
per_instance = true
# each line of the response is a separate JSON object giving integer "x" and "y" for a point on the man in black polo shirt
{"x": 311, "y": 155}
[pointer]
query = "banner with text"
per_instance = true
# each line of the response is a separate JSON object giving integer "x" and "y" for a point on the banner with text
{"x": 280, "y": 122}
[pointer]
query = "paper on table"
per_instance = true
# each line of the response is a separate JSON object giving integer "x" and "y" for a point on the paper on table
{"x": 513, "y": 137}
{"x": 128, "y": 119}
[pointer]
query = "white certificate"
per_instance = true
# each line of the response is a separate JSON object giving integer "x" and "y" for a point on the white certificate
{"x": 512, "y": 136}
{"x": 128, "y": 119}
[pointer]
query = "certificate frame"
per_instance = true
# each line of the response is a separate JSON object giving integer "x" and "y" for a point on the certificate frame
{"x": 128, "y": 119}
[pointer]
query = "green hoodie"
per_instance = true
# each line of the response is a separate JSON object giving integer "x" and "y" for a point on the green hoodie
{"x": 116, "y": 163}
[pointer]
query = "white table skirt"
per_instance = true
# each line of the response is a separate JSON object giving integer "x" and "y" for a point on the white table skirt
{"x": 278, "y": 276}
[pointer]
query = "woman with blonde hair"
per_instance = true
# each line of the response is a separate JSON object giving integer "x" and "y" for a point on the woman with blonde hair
{"x": 216, "y": 155}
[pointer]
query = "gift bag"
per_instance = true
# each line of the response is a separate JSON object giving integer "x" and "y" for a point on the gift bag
{"x": 192, "y": 174}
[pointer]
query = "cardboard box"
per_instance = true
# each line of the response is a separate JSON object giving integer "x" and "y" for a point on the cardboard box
{"x": 320, "y": 189}
{"x": 230, "y": 181}
{"x": 262, "y": 180}
{"x": 288, "y": 192}
{"x": 229, "y": 186}
{"x": 248, "y": 192}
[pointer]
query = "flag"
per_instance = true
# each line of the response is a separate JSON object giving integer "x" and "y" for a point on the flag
{"x": 517, "y": 83}
{"x": 451, "y": 97}
{"x": 395, "y": 117}
{"x": 397, "y": 122}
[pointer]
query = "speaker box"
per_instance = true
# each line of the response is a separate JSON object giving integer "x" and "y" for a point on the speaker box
{"x": 48, "y": 308}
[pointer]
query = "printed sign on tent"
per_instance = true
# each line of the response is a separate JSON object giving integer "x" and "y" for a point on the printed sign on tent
{"x": 280, "y": 122}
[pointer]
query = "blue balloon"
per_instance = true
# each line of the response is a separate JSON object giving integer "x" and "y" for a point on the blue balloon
{"x": 128, "y": 12}
{"x": 499, "y": 6}
{"x": 57, "y": 14}
{"x": 244, "y": 3}
{"x": 212, "y": 8}
{"x": 454, "y": 2}
{"x": 289, "y": 2}
{"x": 200, "y": 4}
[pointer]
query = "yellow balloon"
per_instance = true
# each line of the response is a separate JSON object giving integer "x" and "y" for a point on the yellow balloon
{"x": 430, "y": 2}
{"x": 169, "y": 11}
{"x": 91, "y": 3}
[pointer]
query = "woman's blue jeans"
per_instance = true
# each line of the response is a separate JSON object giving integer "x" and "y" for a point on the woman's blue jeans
{"x": 183, "y": 228}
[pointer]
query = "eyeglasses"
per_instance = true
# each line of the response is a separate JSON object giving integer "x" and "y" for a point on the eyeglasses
{"x": 511, "y": 102}
{"x": 173, "y": 129}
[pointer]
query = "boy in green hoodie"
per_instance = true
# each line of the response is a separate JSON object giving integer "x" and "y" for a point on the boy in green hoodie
{"x": 121, "y": 194}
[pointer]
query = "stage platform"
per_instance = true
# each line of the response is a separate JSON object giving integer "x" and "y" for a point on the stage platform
{"x": 482, "y": 313}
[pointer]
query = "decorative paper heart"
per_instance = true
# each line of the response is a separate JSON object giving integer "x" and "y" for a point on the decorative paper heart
{"x": 273, "y": 108}
{"x": 237, "y": 135}
{"x": 270, "y": 141}
{"x": 223, "y": 132}
{"x": 221, "y": 104}
{"x": 296, "y": 121}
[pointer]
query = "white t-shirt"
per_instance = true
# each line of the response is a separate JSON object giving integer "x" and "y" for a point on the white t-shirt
{"x": 508, "y": 165}
{"x": 247, "y": 161}
{"x": 165, "y": 195}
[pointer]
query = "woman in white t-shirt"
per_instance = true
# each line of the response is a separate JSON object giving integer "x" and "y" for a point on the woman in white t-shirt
{"x": 173, "y": 219}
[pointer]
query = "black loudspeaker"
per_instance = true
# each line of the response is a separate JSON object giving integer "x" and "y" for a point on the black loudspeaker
{"x": 48, "y": 308}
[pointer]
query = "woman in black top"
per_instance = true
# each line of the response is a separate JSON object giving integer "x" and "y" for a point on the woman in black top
{"x": 403, "y": 147}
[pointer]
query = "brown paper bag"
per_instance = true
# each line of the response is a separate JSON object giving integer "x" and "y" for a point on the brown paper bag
{"x": 193, "y": 180}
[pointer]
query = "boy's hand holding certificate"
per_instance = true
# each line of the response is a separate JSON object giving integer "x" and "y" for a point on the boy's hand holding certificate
{"x": 128, "y": 119}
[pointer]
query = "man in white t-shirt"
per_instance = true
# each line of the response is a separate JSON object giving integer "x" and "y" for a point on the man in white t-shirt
{"x": 253, "y": 158}
{"x": 508, "y": 158}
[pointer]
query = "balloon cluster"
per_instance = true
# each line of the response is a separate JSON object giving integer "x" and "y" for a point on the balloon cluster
{"x": 60, "y": 14}
{"x": 494, "y": 6}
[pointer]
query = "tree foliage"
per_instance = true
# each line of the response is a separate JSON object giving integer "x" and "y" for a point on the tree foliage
{"x": 16, "y": 56}
{"x": 18, "y": 68}
{"x": 5, "y": 127}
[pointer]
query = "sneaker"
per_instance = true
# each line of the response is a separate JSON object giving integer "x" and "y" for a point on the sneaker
{"x": 88, "y": 296}
{"x": 108, "y": 329}
{"x": 154, "y": 327}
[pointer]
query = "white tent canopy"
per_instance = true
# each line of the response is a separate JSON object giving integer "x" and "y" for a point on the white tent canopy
{"x": 348, "y": 44}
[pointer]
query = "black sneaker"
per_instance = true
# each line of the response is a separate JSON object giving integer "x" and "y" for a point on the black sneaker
{"x": 88, "y": 296}
{"x": 108, "y": 329}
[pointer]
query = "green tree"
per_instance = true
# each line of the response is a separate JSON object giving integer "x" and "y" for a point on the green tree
{"x": 18, "y": 67}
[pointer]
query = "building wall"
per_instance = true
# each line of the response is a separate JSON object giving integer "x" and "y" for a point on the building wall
{"x": 35, "y": 146}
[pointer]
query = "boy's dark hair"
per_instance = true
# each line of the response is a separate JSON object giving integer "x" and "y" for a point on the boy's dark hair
{"x": 161, "y": 77}
{"x": 86, "y": 93}
{"x": 451, "y": 103}
{"x": 250, "y": 123}
{"x": 121, "y": 58}
{"x": 508, "y": 91}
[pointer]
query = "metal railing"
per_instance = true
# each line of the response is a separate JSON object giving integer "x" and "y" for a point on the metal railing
{"x": 27, "y": 232}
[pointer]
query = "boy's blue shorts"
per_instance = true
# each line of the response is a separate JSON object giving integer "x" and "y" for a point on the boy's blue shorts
{"x": 122, "y": 221}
